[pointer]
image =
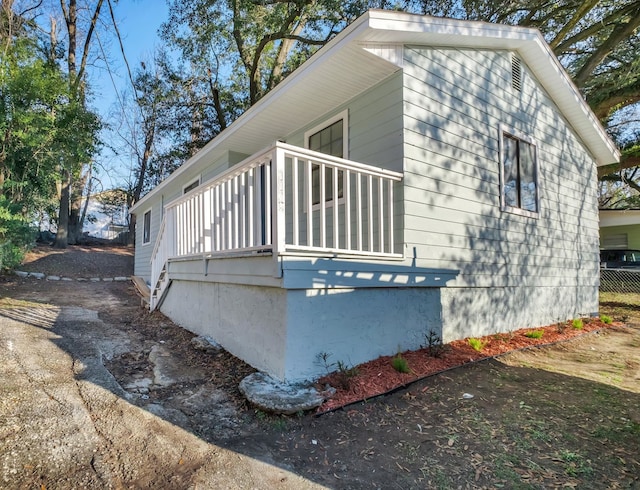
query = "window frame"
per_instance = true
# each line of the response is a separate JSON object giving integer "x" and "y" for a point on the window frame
{"x": 340, "y": 116}
{"x": 507, "y": 132}
{"x": 146, "y": 233}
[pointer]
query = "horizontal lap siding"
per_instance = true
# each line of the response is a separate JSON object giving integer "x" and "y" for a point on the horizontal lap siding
{"x": 454, "y": 103}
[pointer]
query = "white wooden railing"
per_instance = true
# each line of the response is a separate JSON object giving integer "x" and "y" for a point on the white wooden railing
{"x": 272, "y": 202}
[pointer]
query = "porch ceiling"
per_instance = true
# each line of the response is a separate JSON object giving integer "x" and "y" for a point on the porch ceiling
{"x": 347, "y": 66}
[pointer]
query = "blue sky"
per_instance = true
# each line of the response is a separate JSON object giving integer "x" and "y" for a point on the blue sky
{"x": 138, "y": 22}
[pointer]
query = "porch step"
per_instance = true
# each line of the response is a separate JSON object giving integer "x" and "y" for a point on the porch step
{"x": 142, "y": 289}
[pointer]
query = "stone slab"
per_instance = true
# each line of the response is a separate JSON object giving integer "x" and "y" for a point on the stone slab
{"x": 271, "y": 395}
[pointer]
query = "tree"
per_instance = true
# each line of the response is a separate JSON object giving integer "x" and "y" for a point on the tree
{"x": 74, "y": 169}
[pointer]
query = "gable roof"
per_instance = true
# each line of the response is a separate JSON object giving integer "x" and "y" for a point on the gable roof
{"x": 371, "y": 48}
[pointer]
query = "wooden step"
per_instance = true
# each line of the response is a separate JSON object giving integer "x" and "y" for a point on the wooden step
{"x": 142, "y": 289}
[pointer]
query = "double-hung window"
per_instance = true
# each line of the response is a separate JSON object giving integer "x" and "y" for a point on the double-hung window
{"x": 146, "y": 227}
{"x": 519, "y": 172}
{"x": 331, "y": 139}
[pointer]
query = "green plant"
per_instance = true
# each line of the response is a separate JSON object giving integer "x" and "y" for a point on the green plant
{"x": 400, "y": 364}
{"x": 345, "y": 374}
{"x": 433, "y": 344}
{"x": 606, "y": 319}
{"x": 322, "y": 359}
{"x": 577, "y": 323}
{"x": 534, "y": 334}
{"x": 477, "y": 344}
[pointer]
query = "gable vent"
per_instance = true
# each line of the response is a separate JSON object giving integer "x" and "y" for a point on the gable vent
{"x": 516, "y": 73}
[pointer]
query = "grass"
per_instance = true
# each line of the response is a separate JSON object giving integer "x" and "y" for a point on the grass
{"x": 606, "y": 319}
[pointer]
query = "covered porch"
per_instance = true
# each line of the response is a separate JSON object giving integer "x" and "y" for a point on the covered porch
{"x": 282, "y": 201}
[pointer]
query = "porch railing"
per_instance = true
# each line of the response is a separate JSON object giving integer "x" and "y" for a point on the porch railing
{"x": 283, "y": 199}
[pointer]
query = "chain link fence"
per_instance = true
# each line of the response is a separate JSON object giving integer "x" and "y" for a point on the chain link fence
{"x": 620, "y": 280}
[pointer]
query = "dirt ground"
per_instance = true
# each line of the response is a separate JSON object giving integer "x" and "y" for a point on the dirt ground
{"x": 97, "y": 393}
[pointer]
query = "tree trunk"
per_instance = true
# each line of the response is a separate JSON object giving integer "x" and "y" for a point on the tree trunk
{"x": 63, "y": 218}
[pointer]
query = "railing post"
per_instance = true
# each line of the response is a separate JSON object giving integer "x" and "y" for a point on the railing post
{"x": 278, "y": 223}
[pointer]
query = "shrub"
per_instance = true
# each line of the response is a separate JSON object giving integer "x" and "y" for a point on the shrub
{"x": 400, "y": 364}
{"x": 16, "y": 236}
{"x": 606, "y": 319}
{"x": 577, "y": 323}
{"x": 477, "y": 344}
{"x": 535, "y": 334}
{"x": 433, "y": 344}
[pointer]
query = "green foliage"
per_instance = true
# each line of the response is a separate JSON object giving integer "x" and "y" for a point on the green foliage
{"x": 400, "y": 364}
{"x": 577, "y": 323}
{"x": 534, "y": 334}
{"x": 477, "y": 344}
{"x": 606, "y": 319}
{"x": 16, "y": 236}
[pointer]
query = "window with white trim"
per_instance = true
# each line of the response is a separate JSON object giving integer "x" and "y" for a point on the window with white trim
{"x": 519, "y": 170}
{"x": 146, "y": 227}
{"x": 330, "y": 138}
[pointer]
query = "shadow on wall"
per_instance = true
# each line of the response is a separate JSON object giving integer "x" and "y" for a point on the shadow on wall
{"x": 514, "y": 270}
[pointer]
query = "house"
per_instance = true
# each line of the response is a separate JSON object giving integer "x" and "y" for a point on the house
{"x": 620, "y": 228}
{"x": 416, "y": 174}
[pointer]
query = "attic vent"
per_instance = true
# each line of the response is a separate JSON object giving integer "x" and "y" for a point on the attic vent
{"x": 516, "y": 73}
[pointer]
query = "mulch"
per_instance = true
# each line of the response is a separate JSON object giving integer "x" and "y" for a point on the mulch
{"x": 378, "y": 377}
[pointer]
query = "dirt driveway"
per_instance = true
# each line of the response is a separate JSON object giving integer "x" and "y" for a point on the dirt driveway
{"x": 96, "y": 393}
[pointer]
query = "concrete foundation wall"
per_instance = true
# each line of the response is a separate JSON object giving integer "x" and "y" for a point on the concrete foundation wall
{"x": 475, "y": 312}
{"x": 356, "y": 325}
{"x": 248, "y": 321}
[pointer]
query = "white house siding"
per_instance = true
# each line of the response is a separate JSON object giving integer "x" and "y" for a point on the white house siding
{"x": 539, "y": 270}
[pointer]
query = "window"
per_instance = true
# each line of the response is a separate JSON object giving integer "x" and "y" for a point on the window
{"x": 329, "y": 138}
{"x": 519, "y": 174}
{"x": 191, "y": 186}
{"x": 146, "y": 227}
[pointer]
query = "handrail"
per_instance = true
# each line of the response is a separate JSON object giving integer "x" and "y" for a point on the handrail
{"x": 281, "y": 199}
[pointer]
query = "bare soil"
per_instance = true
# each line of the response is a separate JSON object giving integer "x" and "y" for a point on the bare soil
{"x": 564, "y": 416}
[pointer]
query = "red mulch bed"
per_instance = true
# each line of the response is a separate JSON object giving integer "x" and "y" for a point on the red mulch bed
{"x": 378, "y": 376}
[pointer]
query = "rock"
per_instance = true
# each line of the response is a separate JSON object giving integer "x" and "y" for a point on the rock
{"x": 271, "y": 395}
{"x": 95, "y": 279}
{"x": 107, "y": 279}
{"x": 37, "y": 275}
{"x": 81, "y": 279}
{"x": 22, "y": 274}
{"x": 66, "y": 279}
{"x": 120, "y": 279}
{"x": 206, "y": 344}
{"x": 53, "y": 278}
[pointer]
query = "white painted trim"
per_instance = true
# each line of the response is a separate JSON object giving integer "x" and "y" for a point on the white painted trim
{"x": 619, "y": 217}
{"x": 344, "y": 115}
{"x": 504, "y": 129}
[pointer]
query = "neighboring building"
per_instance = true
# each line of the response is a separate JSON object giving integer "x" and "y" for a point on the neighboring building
{"x": 107, "y": 216}
{"x": 620, "y": 228}
{"x": 415, "y": 174}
